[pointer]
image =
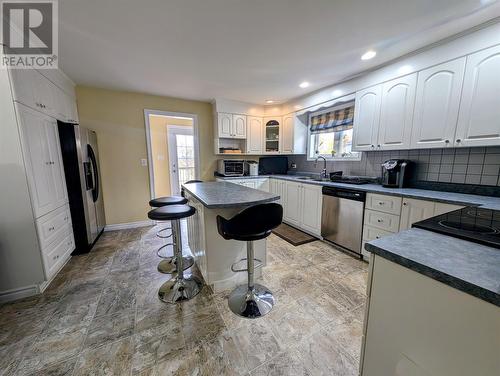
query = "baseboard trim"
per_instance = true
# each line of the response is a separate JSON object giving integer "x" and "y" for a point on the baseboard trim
{"x": 124, "y": 226}
{"x": 23, "y": 292}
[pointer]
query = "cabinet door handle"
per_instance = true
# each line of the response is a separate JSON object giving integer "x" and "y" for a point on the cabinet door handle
{"x": 404, "y": 203}
{"x": 372, "y": 146}
{"x": 381, "y": 203}
{"x": 446, "y": 141}
{"x": 459, "y": 141}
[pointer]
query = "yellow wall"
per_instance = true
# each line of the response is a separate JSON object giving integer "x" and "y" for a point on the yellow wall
{"x": 159, "y": 150}
{"x": 118, "y": 119}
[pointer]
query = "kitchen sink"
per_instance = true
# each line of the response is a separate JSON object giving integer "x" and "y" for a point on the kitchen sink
{"x": 312, "y": 179}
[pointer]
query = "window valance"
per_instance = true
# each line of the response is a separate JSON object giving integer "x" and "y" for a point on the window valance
{"x": 335, "y": 120}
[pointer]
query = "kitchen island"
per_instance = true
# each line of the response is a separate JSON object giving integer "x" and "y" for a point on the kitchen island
{"x": 213, "y": 254}
{"x": 433, "y": 307}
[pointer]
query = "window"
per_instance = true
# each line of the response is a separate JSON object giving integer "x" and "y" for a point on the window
{"x": 330, "y": 133}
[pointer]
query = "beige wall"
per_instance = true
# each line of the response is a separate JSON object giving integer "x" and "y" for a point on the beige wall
{"x": 118, "y": 119}
{"x": 159, "y": 150}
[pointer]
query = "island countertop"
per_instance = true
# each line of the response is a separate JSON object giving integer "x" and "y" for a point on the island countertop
{"x": 215, "y": 195}
{"x": 469, "y": 267}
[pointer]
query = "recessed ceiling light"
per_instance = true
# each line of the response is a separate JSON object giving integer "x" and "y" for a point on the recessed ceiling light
{"x": 304, "y": 84}
{"x": 269, "y": 101}
{"x": 368, "y": 55}
{"x": 337, "y": 93}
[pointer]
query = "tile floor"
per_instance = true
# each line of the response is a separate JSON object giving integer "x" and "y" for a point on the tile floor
{"x": 101, "y": 316}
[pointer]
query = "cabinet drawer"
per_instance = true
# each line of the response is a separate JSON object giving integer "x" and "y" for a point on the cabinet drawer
{"x": 383, "y": 221}
{"x": 51, "y": 225}
{"x": 372, "y": 233}
{"x": 56, "y": 254}
{"x": 383, "y": 203}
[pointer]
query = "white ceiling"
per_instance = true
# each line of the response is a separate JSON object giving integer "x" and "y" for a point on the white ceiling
{"x": 249, "y": 50}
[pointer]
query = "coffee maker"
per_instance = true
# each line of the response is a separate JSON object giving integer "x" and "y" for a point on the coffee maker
{"x": 395, "y": 173}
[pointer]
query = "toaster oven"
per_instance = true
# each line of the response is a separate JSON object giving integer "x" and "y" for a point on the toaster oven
{"x": 231, "y": 167}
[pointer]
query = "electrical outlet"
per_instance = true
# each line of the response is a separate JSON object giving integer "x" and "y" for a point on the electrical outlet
{"x": 144, "y": 162}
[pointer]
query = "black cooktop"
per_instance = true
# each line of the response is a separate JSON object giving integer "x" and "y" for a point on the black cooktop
{"x": 474, "y": 224}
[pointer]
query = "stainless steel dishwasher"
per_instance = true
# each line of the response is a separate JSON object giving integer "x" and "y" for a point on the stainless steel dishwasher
{"x": 342, "y": 217}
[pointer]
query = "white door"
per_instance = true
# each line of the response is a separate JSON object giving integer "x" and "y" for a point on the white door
{"x": 239, "y": 126}
{"x": 38, "y": 159}
{"x": 311, "y": 208}
{"x": 414, "y": 211}
{"x": 181, "y": 154}
{"x": 396, "y": 113}
{"x": 287, "y": 134}
{"x": 436, "y": 105}
{"x": 293, "y": 204}
{"x": 479, "y": 117}
{"x": 254, "y": 135}
{"x": 225, "y": 124}
{"x": 366, "y": 118}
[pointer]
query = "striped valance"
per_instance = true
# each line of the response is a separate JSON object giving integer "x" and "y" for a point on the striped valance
{"x": 335, "y": 120}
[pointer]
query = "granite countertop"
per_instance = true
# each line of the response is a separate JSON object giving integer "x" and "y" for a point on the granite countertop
{"x": 424, "y": 194}
{"x": 228, "y": 195}
{"x": 470, "y": 267}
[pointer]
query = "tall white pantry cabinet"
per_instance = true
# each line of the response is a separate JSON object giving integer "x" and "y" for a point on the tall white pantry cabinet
{"x": 35, "y": 220}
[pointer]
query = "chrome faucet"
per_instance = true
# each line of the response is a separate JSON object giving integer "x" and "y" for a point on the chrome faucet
{"x": 323, "y": 173}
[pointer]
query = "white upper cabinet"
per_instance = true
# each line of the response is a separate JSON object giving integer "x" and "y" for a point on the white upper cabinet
{"x": 35, "y": 91}
{"x": 254, "y": 135}
{"x": 396, "y": 114}
{"x": 436, "y": 105}
{"x": 366, "y": 118}
{"x": 231, "y": 125}
{"x": 479, "y": 117}
{"x": 239, "y": 126}
{"x": 287, "y": 133}
{"x": 224, "y": 124}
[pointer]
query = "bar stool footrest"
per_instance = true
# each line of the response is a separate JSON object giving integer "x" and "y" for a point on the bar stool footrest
{"x": 258, "y": 265}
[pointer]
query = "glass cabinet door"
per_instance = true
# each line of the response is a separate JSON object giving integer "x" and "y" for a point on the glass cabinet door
{"x": 272, "y": 136}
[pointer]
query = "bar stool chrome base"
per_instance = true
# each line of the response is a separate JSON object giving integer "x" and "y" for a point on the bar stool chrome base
{"x": 253, "y": 303}
{"x": 170, "y": 266}
{"x": 175, "y": 290}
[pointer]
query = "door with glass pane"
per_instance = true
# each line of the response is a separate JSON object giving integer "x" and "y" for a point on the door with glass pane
{"x": 181, "y": 156}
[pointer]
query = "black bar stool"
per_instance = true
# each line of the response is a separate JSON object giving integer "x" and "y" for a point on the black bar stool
{"x": 254, "y": 223}
{"x": 168, "y": 266}
{"x": 181, "y": 287}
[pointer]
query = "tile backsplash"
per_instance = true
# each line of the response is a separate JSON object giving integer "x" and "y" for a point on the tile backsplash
{"x": 478, "y": 166}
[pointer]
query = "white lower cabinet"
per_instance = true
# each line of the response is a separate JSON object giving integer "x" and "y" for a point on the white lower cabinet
{"x": 417, "y": 210}
{"x": 386, "y": 215}
{"x": 292, "y": 207}
{"x": 312, "y": 200}
{"x": 302, "y": 206}
{"x": 262, "y": 184}
{"x": 278, "y": 187}
{"x": 52, "y": 225}
{"x": 57, "y": 253}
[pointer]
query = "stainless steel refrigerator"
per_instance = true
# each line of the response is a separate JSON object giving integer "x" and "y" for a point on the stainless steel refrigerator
{"x": 83, "y": 180}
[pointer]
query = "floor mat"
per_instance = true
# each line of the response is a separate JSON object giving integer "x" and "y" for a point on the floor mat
{"x": 292, "y": 235}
